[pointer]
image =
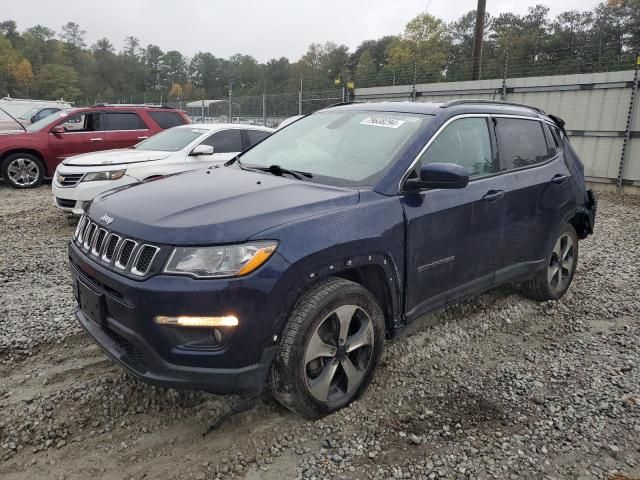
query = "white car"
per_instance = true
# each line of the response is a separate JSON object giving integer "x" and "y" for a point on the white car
{"x": 79, "y": 179}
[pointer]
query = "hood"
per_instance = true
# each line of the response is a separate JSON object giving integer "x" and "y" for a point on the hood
{"x": 11, "y": 132}
{"x": 214, "y": 206}
{"x": 115, "y": 157}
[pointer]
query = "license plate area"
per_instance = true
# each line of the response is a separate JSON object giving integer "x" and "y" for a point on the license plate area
{"x": 91, "y": 302}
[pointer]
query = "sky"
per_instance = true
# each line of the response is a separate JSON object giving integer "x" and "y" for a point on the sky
{"x": 263, "y": 29}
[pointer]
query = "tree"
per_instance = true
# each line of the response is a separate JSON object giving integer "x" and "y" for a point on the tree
{"x": 173, "y": 68}
{"x": 73, "y": 38}
{"x": 102, "y": 47}
{"x": 131, "y": 45}
{"x": 58, "y": 81}
{"x": 9, "y": 29}
{"x": 423, "y": 45}
{"x": 23, "y": 75}
{"x": 42, "y": 33}
{"x": 366, "y": 69}
{"x": 176, "y": 91}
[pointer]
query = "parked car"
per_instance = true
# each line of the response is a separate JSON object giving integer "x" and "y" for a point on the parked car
{"x": 36, "y": 114}
{"x": 78, "y": 180}
{"x": 289, "y": 121}
{"x": 27, "y": 157}
{"x": 291, "y": 264}
{"x": 18, "y": 107}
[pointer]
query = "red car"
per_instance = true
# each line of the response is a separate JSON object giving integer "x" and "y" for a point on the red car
{"x": 27, "y": 157}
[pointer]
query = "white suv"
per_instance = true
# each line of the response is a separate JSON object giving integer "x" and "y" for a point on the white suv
{"x": 79, "y": 179}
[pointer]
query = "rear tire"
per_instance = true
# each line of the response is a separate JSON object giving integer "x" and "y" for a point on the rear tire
{"x": 554, "y": 280}
{"x": 23, "y": 170}
{"x": 330, "y": 347}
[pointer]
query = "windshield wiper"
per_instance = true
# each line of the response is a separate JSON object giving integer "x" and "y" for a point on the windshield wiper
{"x": 278, "y": 171}
{"x": 235, "y": 159}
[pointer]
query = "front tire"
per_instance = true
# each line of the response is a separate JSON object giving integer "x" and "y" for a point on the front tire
{"x": 23, "y": 170}
{"x": 330, "y": 347}
{"x": 552, "y": 282}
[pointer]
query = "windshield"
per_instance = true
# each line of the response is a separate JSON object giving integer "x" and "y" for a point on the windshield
{"x": 46, "y": 121}
{"x": 344, "y": 148}
{"x": 30, "y": 113}
{"x": 171, "y": 140}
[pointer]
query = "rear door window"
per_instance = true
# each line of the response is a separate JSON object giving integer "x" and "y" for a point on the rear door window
{"x": 255, "y": 136}
{"x": 227, "y": 141}
{"x": 124, "y": 121}
{"x": 464, "y": 142}
{"x": 167, "y": 119}
{"x": 521, "y": 143}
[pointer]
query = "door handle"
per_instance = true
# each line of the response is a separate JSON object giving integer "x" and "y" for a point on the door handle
{"x": 493, "y": 195}
{"x": 142, "y": 138}
{"x": 560, "y": 178}
{"x": 96, "y": 139}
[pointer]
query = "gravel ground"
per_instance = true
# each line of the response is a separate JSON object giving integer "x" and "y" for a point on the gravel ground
{"x": 499, "y": 387}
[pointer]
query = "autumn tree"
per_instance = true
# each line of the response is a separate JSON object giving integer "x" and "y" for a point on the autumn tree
{"x": 23, "y": 75}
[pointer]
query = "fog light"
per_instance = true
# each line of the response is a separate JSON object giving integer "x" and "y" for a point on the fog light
{"x": 197, "y": 322}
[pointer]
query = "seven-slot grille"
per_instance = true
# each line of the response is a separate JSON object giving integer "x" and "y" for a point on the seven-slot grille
{"x": 125, "y": 254}
{"x": 69, "y": 179}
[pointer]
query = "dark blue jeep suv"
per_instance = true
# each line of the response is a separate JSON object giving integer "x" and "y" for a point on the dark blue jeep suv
{"x": 290, "y": 264}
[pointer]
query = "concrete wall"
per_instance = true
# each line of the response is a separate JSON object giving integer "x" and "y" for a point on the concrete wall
{"x": 594, "y": 106}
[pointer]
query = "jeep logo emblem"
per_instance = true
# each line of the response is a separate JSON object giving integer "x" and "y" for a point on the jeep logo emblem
{"x": 106, "y": 219}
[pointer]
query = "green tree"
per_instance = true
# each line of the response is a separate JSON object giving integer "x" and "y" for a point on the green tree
{"x": 74, "y": 41}
{"x": 424, "y": 44}
{"x": 58, "y": 81}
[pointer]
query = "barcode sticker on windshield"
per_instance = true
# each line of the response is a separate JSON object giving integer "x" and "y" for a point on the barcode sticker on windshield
{"x": 382, "y": 122}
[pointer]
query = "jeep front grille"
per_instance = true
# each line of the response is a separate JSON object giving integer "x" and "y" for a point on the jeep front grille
{"x": 119, "y": 253}
{"x": 145, "y": 256}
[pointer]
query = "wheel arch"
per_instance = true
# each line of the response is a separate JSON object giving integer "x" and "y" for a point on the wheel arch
{"x": 376, "y": 272}
{"x": 31, "y": 151}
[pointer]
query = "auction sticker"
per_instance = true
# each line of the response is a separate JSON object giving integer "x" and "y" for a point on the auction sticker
{"x": 382, "y": 122}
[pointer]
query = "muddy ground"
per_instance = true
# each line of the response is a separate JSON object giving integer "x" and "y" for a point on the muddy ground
{"x": 500, "y": 386}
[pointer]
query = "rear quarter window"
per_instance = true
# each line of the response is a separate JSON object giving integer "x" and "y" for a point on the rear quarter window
{"x": 256, "y": 136}
{"x": 167, "y": 119}
{"x": 521, "y": 143}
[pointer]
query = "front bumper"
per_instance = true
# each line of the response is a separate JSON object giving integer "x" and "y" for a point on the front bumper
{"x": 136, "y": 355}
{"x": 76, "y": 198}
{"x": 165, "y": 355}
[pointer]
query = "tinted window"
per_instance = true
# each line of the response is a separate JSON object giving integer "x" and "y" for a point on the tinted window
{"x": 464, "y": 142}
{"x": 167, "y": 119}
{"x": 552, "y": 142}
{"x": 124, "y": 121}
{"x": 45, "y": 113}
{"x": 84, "y": 122}
{"x": 256, "y": 136}
{"x": 520, "y": 142}
{"x": 225, "y": 142}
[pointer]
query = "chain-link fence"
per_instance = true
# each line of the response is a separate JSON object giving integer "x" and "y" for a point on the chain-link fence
{"x": 271, "y": 103}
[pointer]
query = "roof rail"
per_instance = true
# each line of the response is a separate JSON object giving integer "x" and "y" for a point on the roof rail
{"x": 146, "y": 105}
{"x": 453, "y": 103}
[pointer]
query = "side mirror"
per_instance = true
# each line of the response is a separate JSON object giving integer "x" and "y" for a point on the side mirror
{"x": 439, "y": 175}
{"x": 58, "y": 129}
{"x": 202, "y": 150}
{"x": 34, "y": 119}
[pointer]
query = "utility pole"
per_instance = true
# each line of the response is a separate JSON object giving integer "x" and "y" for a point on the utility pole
{"x": 477, "y": 40}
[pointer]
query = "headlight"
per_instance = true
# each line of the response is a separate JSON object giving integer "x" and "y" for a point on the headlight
{"x": 108, "y": 175}
{"x": 222, "y": 261}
